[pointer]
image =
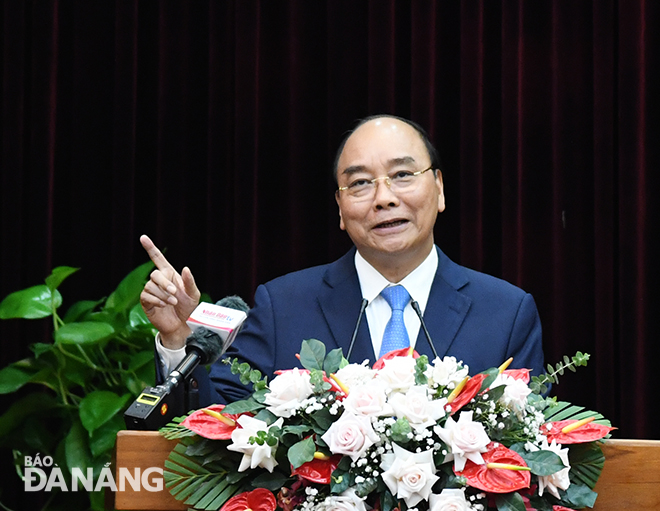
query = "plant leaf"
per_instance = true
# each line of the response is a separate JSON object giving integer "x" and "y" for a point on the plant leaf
{"x": 137, "y": 317}
{"x": 80, "y": 310}
{"x": 510, "y": 502}
{"x": 103, "y": 439}
{"x": 31, "y": 303}
{"x": 76, "y": 447}
{"x": 301, "y": 452}
{"x": 128, "y": 291}
{"x": 312, "y": 354}
{"x": 333, "y": 361}
{"x": 542, "y": 463}
{"x": 24, "y": 407}
{"x": 83, "y": 332}
{"x": 58, "y": 275}
{"x": 99, "y": 406}
{"x": 12, "y": 378}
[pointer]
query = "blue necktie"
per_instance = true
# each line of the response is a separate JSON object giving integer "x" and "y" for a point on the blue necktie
{"x": 396, "y": 335}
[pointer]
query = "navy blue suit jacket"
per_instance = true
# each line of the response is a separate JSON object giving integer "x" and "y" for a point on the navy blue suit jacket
{"x": 474, "y": 317}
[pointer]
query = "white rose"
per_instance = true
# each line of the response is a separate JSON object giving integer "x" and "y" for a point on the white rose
{"x": 287, "y": 391}
{"x": 254, "y": 455}
{"x": 347, "y": 501}
{"x": 446, "y": 371}
{"x": 409, "y": 476}
{"x": 369, "y": 400}
{"x": 515, "y": 393}
{"x": 398, "y": 373}
{"x": 416, "y": 406}
{"x": 466, "y": 439}
{"x": 559, "y": 480}
{"x": 451, "y": 499}
{"x": 355, "y": 374}
{"x": 351, "y": 435}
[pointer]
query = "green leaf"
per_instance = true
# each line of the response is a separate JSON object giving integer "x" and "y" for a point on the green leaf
{"x": 128, "y": 292}
{"x": 542, "y": 463}
{"x": 80, "y": 310}
{"x": 312, "y": 354}
{"x": 272, "y": 482}
{"x": 39, "y": 348}
{"x": 301, "y": 452}
{"x": 244, "y": 406}
{"x": 137, "y": 317}
{"x": 58, "y": 275}
{"x": 76, "y": 446}
{"x": 333, "y": 361}
{"x": 401, "y": 430}
{"x": 140, "y": 359}
{"x": 510, "y": 502}
{"x": 32, "y": 303}
{"x": 103, "y": 439}
{"x": 84, "y": 332}
{"x": 578, "y": 496}
{"x": 99, "y": 406}
{"x": 12, "y": 378}
{"x": 34, "y": 403}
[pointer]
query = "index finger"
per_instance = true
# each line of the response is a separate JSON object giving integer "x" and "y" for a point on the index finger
{"x": 154, "y": 254}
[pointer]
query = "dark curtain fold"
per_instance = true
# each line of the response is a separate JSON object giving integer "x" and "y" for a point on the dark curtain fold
{"x": 212, "y": 126}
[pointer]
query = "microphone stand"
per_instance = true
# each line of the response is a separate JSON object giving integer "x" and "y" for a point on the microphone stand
{"x": 416, "y": 308}
{"x": 363, "y": 306}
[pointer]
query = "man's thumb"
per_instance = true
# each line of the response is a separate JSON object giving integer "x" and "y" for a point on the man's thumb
{"x": 189, "y": 283}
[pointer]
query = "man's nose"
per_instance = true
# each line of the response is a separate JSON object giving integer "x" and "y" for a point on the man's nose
{"x": 384, "y": 196}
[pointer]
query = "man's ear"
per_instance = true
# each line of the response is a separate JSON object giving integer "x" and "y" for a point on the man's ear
{"x": 441, "y": 190}
{"x": 341, "y": 219}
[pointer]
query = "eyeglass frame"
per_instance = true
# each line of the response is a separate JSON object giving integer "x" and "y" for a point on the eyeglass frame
{"x": 388, "y": 179}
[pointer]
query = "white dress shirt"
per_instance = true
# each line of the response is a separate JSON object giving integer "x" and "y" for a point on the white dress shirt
{"x": 418, "y": 284}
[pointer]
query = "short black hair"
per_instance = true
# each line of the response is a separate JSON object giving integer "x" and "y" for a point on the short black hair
{"x": 430, "y": 148}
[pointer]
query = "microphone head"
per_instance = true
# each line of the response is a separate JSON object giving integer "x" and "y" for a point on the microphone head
{"x": 233, "y": 302}
{"x": 206, "y": 343}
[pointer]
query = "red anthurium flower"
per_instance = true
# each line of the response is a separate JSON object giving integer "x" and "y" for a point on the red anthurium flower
{"x": 403, "y": 352}
{"x": 585, "y": 433}
{"x": 318, "y": 470}
{"x": 260, "y": 499}
{"x": 208, "y": 426}
{"x": 470, "y": 390}
{"x": 518, "y": 374}
{"x": 497, "y": 480}
{"x": 561, "y": 508}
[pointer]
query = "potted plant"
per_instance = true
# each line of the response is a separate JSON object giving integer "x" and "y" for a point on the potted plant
{"x": 72, "y": 392}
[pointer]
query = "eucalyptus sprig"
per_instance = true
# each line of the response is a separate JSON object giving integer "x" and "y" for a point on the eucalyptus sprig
{"x": 539, "y": 383}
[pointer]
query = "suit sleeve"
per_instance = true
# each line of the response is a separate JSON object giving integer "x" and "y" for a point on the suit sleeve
{"x": 525, "y": 340}
{"x": 255, "y": 344}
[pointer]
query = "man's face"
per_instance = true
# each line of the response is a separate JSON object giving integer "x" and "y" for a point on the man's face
{"x": 390, "y": 223}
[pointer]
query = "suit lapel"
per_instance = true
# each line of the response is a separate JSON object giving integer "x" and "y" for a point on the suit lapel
{"x": 340, "y": 299}
{"x": 446, "y": 308}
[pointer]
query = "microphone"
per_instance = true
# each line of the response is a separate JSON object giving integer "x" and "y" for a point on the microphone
{"x": 363, "y": 306}
{"x": 156, "y": 406}
{"x": 416, "y": 308}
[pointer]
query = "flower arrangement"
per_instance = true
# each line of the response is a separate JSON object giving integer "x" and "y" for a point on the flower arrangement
{"x": 407, "y": 433}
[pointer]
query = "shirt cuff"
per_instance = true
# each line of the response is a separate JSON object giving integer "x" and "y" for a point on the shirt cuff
{"x": 169, "y": 359}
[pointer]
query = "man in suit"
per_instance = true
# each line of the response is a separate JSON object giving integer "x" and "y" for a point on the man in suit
{"x": 390, "y": 191}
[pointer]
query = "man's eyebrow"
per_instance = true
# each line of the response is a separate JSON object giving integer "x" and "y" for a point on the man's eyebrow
{"x": 403, "y": 160}
{"x": 354, "y": 169}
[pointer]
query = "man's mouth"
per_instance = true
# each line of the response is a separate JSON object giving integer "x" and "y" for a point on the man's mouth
{"x": 393, "y": 223}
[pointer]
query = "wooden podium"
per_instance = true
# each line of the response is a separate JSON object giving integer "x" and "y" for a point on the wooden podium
{"x": 630, "y": 478}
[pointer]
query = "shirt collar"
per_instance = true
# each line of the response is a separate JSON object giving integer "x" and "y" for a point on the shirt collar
{"x": 417, "y": 283}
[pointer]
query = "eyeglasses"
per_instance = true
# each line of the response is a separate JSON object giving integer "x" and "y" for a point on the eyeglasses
{"x": 401, "y": 181}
